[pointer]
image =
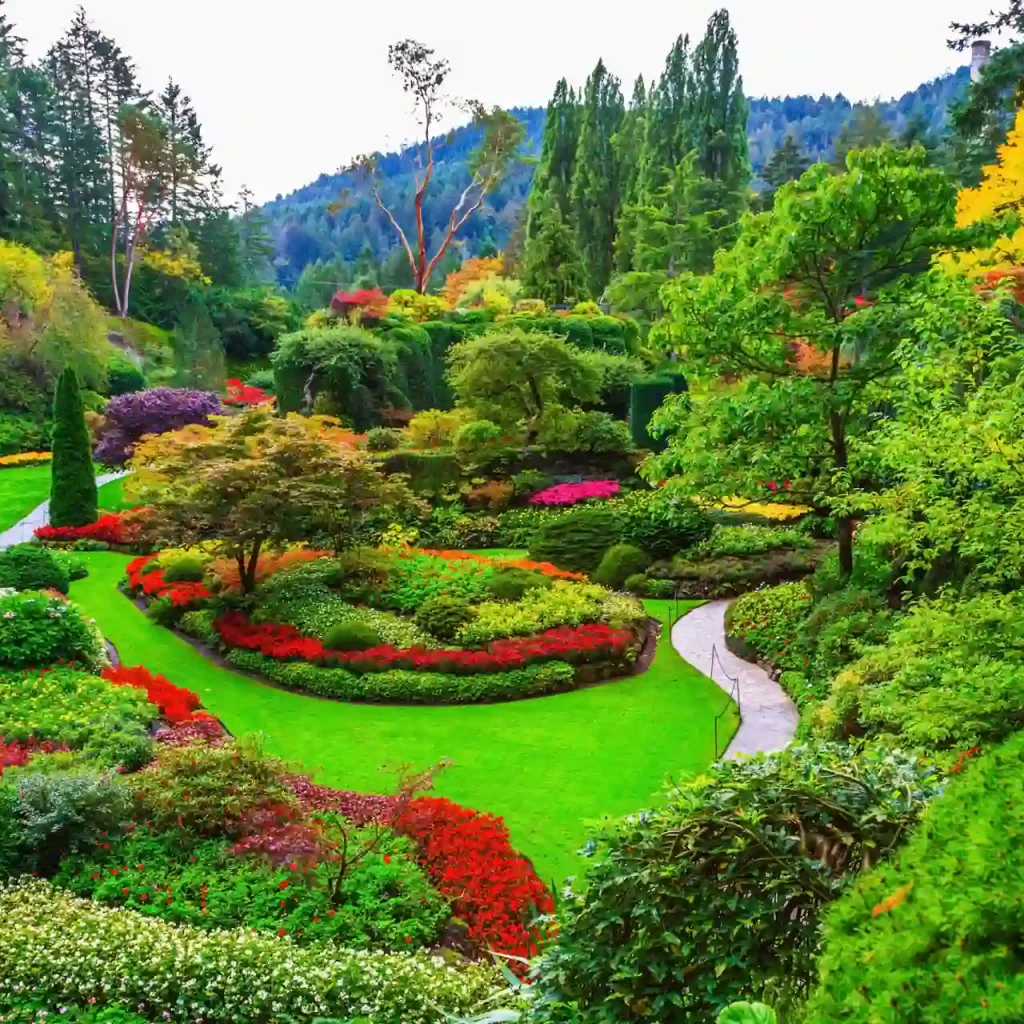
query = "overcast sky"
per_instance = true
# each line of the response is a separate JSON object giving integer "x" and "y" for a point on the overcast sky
{"x": 288, "y": 89}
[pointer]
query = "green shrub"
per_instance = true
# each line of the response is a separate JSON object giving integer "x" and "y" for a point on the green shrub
{"x": 430, "y": 473}
{"x": 415, "y": 576}
{"x": 383, "y": 439}
{"x": 64, "y": 812}
{"x": 950, "y": 676}
{"x": 401, "y": 686}
{"x": 517, "y": 526}
{"x": 443, "y": 616}
{"x": 934, "y": 935}
{"x": 199, "y": 623}
{"x": 640, "y": 583}
{"x": 731, "y": 575}
{"x": 185, "y": 569}
{"x": 74, "y": 567}
{"x": 351, "y": 635}
{"x": 108, "y": 723}
{"x": 37, "y": 630}
{"x": 30, "y": 567}
{"x": 381, "y": 899}
{"x": 23, "y": 434}
{"x": 480, "y": 441}
{"x": 511, "y": 584}
{"x": 751, "y": 540}
{"x": 528, "y": 481}
{"x": 661, "y": 522}
{"x": 576, "y": 540}
{"x": 764, "y": 624}
{"x": 619, "y": 562}
{"x": 645, "y": 398}
{"x": 124, "y": 376}
{"x": 715, "y": 896}
{"x": 82, "y": 950}
{"x": 73, "y": 500}
{"x": 872, "y": 572}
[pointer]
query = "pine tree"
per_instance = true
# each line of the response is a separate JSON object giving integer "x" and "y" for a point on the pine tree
{"x": 865, "y": 129}
{"x": 668, "y": 136}
{"x": 553, "y": 269}
{"x": 73, "y": 500}
{"x": 787, "y": 163}
{"x": 596, "y": 180}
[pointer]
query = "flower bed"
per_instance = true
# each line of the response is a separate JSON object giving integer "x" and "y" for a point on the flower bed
{"x": 546, "y": 568}
{"x": 573, "y": 494}
{"x": 25, "y": 459}
{"x": 120, "y": 529}
{"x": 142, "y": 576}
{"x": 176, "y": 705}
{"x": 60, "y": 947}
{"x": 593, "y": 642}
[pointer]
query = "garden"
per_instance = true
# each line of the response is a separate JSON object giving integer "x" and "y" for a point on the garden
{"x": 341, "y": 675}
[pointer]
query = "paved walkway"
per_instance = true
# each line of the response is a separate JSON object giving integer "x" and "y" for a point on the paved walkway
{"x": 21, "y": 532}
{"x": 769, "y": 717}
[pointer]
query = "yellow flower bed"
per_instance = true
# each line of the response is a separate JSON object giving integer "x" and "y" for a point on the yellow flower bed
{"x": 24, "y": 459}
{"x": 767, "y": 510}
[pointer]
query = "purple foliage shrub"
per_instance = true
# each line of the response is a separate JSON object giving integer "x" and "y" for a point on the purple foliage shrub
{"x": 131, "y": 416}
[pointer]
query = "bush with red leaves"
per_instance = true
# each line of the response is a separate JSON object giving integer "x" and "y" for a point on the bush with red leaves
{"x": 142, "y": 577}
{"x": 238, "y": 393}
{"x": 121, "y": 528}
{"x": 14, "y": 753}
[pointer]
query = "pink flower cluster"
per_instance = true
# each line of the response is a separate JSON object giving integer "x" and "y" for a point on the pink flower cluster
{"x": 572, "y": 494}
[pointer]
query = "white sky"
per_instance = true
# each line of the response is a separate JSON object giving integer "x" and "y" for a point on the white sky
{"x": 289, "y": 89}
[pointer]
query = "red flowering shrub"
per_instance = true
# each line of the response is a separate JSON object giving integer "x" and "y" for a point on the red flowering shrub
{"x": 150, "y": 581}
{"x": 120, "y": 528}
{"x": 573, "y": 644}
{"x": 371, "y": 303}
{"x": 471, "y": 860}
{"x": 238, "y": 393}
{"x": 14, "y": 753}
{"x": 177, "y": 705}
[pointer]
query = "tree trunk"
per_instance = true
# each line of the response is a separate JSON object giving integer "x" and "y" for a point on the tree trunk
{"x": 846, "y": 546}
{"x": 249, "y": 574}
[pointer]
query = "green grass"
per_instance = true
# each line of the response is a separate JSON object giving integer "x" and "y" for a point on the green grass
{"x": 111, "y": 496}
{"x": 514, "y": 553}
{"x": 21, "y": 490}
{"x": 550, "y": 766}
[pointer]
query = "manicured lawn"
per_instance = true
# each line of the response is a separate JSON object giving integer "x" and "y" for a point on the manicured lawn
{"x": 549, "y": 766}
{"x": 111, "y": 496}
{"x": 21, "y": 489}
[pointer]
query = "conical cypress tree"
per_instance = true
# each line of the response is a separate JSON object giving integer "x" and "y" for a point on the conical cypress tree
{"x": 73, "y": 485}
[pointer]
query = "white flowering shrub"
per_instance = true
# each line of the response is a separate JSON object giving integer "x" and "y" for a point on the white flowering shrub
{"x": 61, "y": 948}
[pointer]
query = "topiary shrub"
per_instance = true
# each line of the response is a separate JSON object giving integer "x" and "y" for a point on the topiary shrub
{"x": 576, "y": 540}
{"x": 715, "y": 896}
{"x": 185, "y": 568}
{"x": 661, "y": 522}
{"x": 383, "y": 439}
{"x": 124, "y": 376}
{"x": 351, "y": 635}
{"x": 443, "y": 616}
{"x": 511, "y": 584}
{"x": 73, "y": 500}
{"x": 619, "y": 562}
{"x": 934, "y": 936}
{"x": 29, "y": 567}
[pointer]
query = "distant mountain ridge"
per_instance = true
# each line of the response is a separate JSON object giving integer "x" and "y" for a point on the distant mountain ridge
{"x": 306, "y": 230}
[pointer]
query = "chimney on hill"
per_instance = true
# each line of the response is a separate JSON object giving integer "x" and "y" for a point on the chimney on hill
{"x": 981, "y": 50}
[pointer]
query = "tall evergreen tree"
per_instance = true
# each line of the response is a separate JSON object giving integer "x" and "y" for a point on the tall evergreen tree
{"x": 257, "y": 246}
{"x": 864, "y": 130}
{"x": 553, "y": 269}
{"x": 668, "y": 137}
{"x": 595, "y": 192}
{"x": 631, "y": 142}
{"x": 73, "y": 500}
{"x": 197, "y": 348}
{"x": 787, "y": 163}
{"x": 558, "y": 149}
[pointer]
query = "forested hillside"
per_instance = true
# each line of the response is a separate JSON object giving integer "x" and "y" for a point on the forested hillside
{"x": 307, "y": 227}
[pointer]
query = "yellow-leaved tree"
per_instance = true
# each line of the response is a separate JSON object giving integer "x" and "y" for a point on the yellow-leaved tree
{"x": 1000, "y": 192}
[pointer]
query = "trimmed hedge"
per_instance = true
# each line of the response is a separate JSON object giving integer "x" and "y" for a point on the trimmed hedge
{"x": 578, "y": 539}
{"x": 936, "y": 935}
{"x": 620, "y": 562}
{"x": 31, "y": 567}
{"x": 645, "y": 397}
{"x": 400, "y": 686}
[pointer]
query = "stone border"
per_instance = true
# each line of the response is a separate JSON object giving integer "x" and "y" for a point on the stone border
{"x": 769, "y": 718}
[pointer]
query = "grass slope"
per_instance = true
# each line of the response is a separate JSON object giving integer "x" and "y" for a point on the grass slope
{"x": 111, "y": 496}
{"x": 21, "y": 490}
{"x": 549, "y": 766}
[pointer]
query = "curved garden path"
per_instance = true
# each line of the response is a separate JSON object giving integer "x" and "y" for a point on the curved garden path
{"x": 769, "y": 718}
{"x": 21, "y": 532}
{"x": 551, "y": 766}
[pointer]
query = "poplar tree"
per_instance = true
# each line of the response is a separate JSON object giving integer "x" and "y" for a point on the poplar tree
{"x": 631, "y": 146}
{"x": 596, "y": 180}
{"x": 553, "y": 269}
